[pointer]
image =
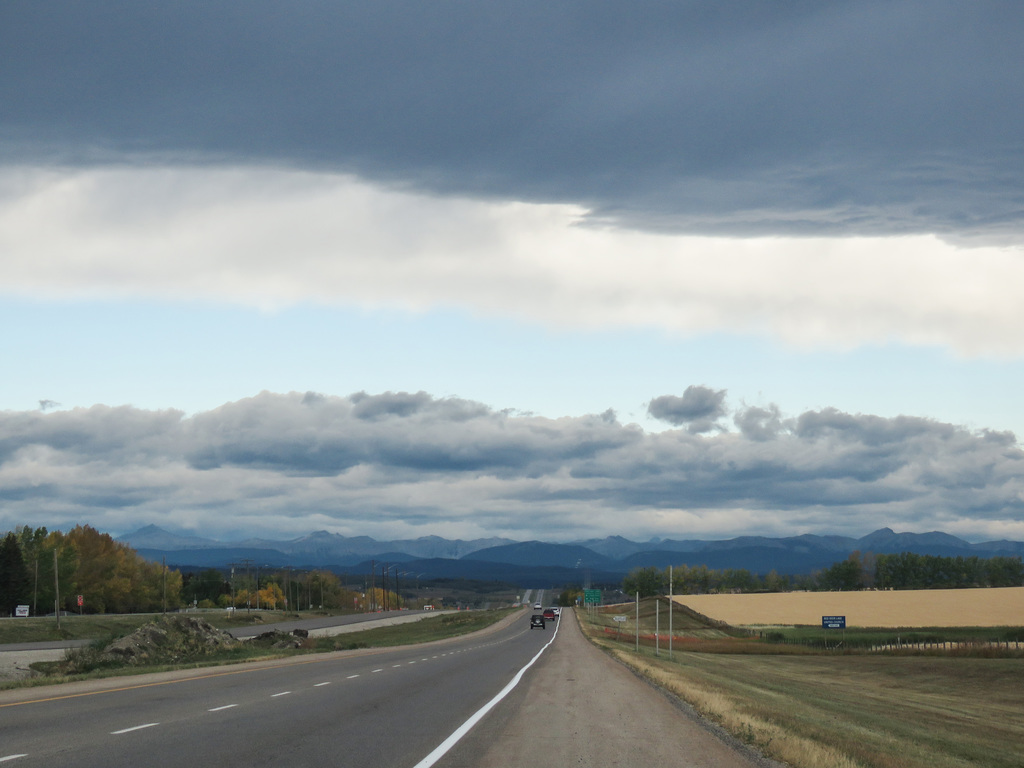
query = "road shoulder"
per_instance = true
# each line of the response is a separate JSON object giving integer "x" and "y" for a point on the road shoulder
{"x": 579, "y": 706}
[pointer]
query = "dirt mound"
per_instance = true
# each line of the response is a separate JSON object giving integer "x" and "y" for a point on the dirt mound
{"x": 281, "y": 640}
{"x": 170, "y": 639}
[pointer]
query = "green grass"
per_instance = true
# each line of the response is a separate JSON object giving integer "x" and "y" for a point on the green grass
{"x": 99, "y": 626}
{"x": 685, "y": 622}
{"x": 423, "y": 631}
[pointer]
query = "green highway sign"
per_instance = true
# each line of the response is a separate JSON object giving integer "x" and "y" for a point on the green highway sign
{"x": 591, "y": 596}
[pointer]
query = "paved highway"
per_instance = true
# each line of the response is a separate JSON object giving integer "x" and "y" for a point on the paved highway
{"x": 364, "y": 708}
{"x": 541, "y": 698}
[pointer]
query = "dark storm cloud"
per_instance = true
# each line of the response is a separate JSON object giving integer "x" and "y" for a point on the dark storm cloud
{"x": 699, "y": 408}
{"x": 281, "y": 461}
{"x": 396, "y": 432}
{"x": 760, "y": 117}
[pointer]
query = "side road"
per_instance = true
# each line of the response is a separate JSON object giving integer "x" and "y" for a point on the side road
{"x": 578, "y": 706}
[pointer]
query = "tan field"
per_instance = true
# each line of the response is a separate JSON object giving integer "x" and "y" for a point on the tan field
{"x": 1000, "y": 607}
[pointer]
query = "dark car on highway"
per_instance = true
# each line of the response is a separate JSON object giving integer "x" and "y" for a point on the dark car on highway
{"x": 537, "y": 621}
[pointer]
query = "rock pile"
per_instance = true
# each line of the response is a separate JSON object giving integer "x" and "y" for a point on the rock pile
{"x": 170, "y": 639}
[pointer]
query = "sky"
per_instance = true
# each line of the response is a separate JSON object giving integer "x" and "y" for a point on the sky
{"x": 533, "y": 270}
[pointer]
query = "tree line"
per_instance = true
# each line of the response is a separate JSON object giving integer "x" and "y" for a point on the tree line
{"x": 905, "y": 570}
{"x": 48, "y": 570}
{"x": 280, "y": 589}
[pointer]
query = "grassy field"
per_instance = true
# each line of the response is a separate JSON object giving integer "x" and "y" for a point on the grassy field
{"x": 812, "y": 708}
{"x": 996, "y": 607}
{"x": 423, "y": 631}
{"x": 91, "y": 627}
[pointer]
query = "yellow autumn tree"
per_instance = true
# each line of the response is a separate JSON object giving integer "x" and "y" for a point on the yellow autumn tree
{"x": 271, "y": 597}
{"x": 112, "y": 578}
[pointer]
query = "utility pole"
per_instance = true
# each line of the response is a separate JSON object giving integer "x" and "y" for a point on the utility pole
{"x": 373, "y": 597}
{"x": 248, "y": 591}
{"x": 637, "y": 622}
{"x": 670, "y": 604}
{"x": 165, "y": 584}
{"x": 56, "y": 589}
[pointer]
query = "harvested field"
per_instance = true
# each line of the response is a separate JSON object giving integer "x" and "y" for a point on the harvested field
{"x": 996, "y": 607}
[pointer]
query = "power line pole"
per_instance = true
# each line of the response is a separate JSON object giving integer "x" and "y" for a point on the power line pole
{"x": 248, "y": 585}
{"x": 373, "y": 597}
{"x": 56, "y": 588}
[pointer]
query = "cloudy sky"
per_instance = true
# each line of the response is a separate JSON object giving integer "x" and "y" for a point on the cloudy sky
{"x": 680, "y": 269}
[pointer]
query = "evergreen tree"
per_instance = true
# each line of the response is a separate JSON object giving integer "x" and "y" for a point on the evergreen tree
{"x": 15, "y": 586}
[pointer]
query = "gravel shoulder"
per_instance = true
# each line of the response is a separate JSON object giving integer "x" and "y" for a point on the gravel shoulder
{"x": 14, "y": 664}
{"x": 578, "y": 706}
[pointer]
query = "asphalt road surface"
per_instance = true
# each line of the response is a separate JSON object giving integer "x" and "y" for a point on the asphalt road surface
{"x": 368, "y": 708}
{"x": 578, "y": 707}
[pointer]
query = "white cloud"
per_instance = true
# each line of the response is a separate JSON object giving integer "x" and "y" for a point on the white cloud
{"x": 274, "y": 238}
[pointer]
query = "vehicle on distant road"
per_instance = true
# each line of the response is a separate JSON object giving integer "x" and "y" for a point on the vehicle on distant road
{"x": 549, "y": 615}
{"x": 537, "y": 606}
{"x": 537, "y": 621}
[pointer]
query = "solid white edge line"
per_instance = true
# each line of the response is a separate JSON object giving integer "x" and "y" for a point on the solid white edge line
{"x": 133, "y": 728}
{"x": 463, "y": 729}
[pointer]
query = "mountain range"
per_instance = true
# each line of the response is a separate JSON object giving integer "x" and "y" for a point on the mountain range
{"x": 537, "y": 563}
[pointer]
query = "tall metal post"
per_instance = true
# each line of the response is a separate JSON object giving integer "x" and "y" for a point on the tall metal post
{"x": 670, "y": 606}
{"x": 56, "y": 588}
{"x": 637, "y": 622}
{"x": 373, "y": 597}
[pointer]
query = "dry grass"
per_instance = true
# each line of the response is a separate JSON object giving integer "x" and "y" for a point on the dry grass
{"x": 997, "y": 607}
{"x": 770, "y": 738}
{"x": 813, "y": 711}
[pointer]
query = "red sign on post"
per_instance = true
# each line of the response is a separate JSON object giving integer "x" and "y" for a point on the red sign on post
{"x": 80, "y": 601}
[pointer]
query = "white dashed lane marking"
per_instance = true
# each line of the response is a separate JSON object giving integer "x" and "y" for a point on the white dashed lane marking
{"x": 218, "y": 709}
{"x": 133, "y": 728}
